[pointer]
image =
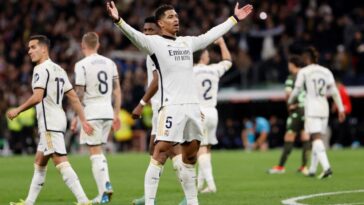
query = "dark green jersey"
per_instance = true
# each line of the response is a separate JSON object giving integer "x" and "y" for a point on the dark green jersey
{"x": 289, "y": 85}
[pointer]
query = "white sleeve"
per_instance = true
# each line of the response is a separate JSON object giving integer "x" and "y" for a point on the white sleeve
{"x": 40, "y": 78}
{"x": 80, "y": 75}
{"x": 223, "y": 66}
{"x": 297, "y": 87}
{"x": 140, "y": 40}
{"x": 67, "y": 84}
{"x": 335, "y": 93}
{"x": 203, "y": 40}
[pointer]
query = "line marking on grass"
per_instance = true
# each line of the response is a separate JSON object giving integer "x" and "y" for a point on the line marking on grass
{"x": 293, "y": 201}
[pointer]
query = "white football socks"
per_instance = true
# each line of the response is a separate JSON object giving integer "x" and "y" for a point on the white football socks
{"x": 188, "y": 179}
{"x": 314, "y": 162}
{"x": 151, "y": 181}
{"x": 100, "y": 171}
{"x": 177, "y": 163}
{"x": 70, "y": 178}
{"x": 36, "y": 184}
{"x": 204, "y": 162}
{"x": 200, "y": 178}
{"x": 319, "y": 148}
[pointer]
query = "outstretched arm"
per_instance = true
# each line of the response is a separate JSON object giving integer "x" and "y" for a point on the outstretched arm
{"x": 33, "y": 100}
{"x": 139, "y": 39}
{"x": 202, "y": 41}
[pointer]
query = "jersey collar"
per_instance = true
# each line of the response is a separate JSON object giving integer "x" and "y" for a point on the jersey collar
{"x": 169, "y": 37}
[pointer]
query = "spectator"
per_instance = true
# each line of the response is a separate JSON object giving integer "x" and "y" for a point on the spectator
{"x": 255, "y": 134}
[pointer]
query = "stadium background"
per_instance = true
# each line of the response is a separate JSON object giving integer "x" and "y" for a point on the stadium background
{"x": 259, "y": 46}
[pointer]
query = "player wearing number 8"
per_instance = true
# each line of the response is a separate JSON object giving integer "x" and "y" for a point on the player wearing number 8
{"x": 317, "y": 80}
{"x": 207, "y": 81}
{"x": 97, "y": 81}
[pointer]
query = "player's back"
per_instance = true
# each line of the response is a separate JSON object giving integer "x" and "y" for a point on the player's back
{"x": 54, "y": 80}
{"x": 207, "y": 80}
{"x": 96, "y": 74}
{"x": 318, "y": 80}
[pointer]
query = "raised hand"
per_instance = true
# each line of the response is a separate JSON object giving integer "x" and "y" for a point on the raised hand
{"x": 242, "y": 13}
{"x": 112, "y": 10}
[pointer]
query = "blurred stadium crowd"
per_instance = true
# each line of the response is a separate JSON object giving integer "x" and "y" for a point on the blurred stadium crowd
{"x": 260, "y": 47}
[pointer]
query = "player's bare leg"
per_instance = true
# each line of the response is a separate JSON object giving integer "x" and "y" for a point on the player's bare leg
{"x": 205, "y": 170}
{"x": 100, "y": 171}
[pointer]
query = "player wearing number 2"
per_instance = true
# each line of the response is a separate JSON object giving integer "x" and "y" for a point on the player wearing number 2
{"x": 207, "y": 79}
{"x": 97, "y": 81}
{"x": 317, "y": 80}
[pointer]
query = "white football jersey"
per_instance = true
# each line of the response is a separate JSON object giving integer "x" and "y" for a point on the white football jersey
{"x": 150, "y": 69}
{"x": 207, "y": 80}
{"x": 317, "y": 80}
{"x": 54, "y": 80}
{"x": 173, "y": 58}
{"x": 96, "y": 73}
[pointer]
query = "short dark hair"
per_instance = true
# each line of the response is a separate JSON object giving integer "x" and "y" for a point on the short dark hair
{"x": 296, "y": 60}
{"x": 150, "y": 19}
{"x": 197, "y": 55}
{"x": 159, "y": 12}
{"x": 312, "y": 53}
{"x": 42, "y": 39}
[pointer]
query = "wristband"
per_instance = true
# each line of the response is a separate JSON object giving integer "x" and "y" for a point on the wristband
{"x": 142, "y": 102}
{"x": 235, "y": 17}
{"x": 117, "y": 20}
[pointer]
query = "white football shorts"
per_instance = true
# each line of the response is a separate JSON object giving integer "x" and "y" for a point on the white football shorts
{"x": 210, "y": 126}
{"x": 179, "y": 123}
{"x": 154, "y": 121}
{"x": 52, "y": 142}
{"x": 316, "y": 125}
{"x": 100, "y": 134}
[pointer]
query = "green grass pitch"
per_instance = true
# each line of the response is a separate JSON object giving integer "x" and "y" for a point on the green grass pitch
{"x": 241, "y": 178}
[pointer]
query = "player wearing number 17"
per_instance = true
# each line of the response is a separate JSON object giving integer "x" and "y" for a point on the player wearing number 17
{"x": 318, "y": 81}
{"x": 50, "y": 83}
{"x": 179, "y": 119}
{"x": 97, "y": 81}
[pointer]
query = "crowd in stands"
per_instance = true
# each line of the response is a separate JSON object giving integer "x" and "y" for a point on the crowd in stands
{"x": 259, "y": 45}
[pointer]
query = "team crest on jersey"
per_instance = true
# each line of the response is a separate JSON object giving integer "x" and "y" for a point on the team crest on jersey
{"x": 36, "y": 77}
